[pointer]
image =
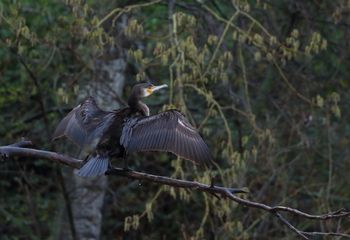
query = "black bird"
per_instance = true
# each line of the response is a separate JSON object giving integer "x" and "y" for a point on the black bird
{"x": 105, "y": 134}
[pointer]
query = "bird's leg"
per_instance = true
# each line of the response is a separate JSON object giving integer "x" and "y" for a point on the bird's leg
{"x": 213, "y": 178}
{"x": 125, "y": 162}
{"x": 110, "y": 166}
{"x": 212, "y": 182}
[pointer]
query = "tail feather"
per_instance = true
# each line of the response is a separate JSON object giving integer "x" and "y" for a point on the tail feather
{"x": 95, "y": 166}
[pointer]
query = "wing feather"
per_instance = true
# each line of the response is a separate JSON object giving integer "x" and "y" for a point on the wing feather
{"x": 167, "y": 131}
{"x": 85, "y": 124}
{"x": 70, "y": 124}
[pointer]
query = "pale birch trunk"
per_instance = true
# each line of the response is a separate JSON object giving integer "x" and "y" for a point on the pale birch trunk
{"x": 86, "y": 195}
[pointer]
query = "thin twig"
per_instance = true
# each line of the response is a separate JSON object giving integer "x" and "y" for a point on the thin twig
{"x": 68, "y": 204}
{"x": 290, "y": 226}
{"x": 332, "y": 215}
{"x": 221, "y": 39}
{"x": 126, "y": 9}
{"x": 324, "y": 234}
{"x": 36, "y": 82}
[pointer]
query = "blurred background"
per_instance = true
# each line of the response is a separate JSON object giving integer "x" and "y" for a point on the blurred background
{"x": 266, "y": 82}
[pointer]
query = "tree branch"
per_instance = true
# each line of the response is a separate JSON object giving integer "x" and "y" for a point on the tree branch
{"x": 174, "y": 182}
{"x": 17, "y": 149}
{"x": 12, "y": 151}
{"x": 290, "y": 226}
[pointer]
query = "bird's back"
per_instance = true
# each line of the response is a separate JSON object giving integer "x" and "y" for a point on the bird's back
{"x": 110, "y": 139}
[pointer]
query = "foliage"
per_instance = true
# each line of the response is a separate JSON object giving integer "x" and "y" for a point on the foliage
{"x": 265, "y": 82}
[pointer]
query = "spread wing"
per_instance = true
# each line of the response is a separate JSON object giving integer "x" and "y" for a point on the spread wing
{"x": 85, "y": 124}
{"x": 167, "y": 131}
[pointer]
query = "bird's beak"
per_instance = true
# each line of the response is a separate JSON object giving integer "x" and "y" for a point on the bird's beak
{"x": 156, "y": 88}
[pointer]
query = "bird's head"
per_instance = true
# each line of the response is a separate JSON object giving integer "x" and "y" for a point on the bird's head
{"x": 142, "y": 90}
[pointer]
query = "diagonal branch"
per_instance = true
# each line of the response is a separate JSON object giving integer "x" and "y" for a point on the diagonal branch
{"x": 174, "y": 182}
{"x": 290, "y": 226}
{"x": 18, "y": 150}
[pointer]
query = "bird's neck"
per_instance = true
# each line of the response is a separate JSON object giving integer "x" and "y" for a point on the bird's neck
{"x": 137, "y": 105}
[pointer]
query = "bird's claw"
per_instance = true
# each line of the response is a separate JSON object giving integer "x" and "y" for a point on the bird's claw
{"x": 212, "y": 183}
{"x": 127, "y": 169}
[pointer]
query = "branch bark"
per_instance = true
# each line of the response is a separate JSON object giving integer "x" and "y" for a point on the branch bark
{"x": 17, "y": 150}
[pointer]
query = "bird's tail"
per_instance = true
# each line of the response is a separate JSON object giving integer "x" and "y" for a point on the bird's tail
{"x": 95, "y": 166}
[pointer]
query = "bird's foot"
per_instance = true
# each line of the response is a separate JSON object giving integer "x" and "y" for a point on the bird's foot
{"x": 126, "y": 165}
{"x": 127, "y": 169}
{"x": 110, "y": 166}
{"x": 212, "y": 182}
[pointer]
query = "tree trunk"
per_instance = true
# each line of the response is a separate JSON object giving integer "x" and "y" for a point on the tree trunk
{"x": 86, "y": 195}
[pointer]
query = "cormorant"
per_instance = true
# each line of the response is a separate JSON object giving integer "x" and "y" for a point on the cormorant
{"x": 105, "y": 134}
